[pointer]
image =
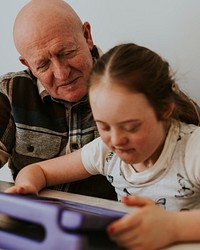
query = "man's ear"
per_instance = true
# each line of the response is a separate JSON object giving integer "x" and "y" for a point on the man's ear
{"x": 167, "y": 112}
{"x": 24, "y": 62}
{"x": 87, "y": 34}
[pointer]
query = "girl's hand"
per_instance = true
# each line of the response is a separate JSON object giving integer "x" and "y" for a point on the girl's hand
{"x": 149, "y": 227}
{"x": 23, "y": 189}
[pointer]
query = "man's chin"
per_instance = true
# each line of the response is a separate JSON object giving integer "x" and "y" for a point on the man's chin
{"x": 72, "y": 97}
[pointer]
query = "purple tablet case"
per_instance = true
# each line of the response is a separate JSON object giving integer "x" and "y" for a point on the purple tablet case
{"x": 40, "y": 223}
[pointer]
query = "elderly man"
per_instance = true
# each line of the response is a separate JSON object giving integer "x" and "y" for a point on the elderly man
{"x": 44, "y": 110}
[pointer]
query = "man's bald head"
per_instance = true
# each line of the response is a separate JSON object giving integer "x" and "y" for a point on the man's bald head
{"x": 38, "y": 17}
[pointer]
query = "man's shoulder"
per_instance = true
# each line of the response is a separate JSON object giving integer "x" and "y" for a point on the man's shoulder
{"x": 12, "y": 75}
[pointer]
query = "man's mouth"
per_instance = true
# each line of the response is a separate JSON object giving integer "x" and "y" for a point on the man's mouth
{"x": 73, "y": 81}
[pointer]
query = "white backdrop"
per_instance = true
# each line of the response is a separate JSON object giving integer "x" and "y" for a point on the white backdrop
{"x": 170, "y": 27}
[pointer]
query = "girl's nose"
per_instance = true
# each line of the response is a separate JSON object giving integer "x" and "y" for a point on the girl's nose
{"x": 118, "y": 139}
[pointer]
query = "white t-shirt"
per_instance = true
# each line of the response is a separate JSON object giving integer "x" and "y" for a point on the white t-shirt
{"x": 173, "y": 181}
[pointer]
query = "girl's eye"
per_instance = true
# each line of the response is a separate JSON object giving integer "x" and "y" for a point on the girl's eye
{"x": 103, "y": 127}
{"x": 132, "y": 129}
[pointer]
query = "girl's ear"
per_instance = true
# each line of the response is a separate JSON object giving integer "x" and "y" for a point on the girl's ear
{"x": 167, "y": 112}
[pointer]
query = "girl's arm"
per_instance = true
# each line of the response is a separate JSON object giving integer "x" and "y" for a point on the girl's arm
{"x": 63, "y": 169}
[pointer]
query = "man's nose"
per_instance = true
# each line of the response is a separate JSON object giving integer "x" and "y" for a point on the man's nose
{"x": 61, "y": 71}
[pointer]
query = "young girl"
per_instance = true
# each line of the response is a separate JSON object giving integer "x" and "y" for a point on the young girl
{"x": 149, "y": 147}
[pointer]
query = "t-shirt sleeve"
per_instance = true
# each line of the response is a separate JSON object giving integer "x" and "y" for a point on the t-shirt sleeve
{"x": 93, "y": 156}
{"x": 192, "y": 157}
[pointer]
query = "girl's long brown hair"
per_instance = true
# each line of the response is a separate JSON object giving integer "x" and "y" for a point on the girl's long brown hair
{"x": 141, "y": 70}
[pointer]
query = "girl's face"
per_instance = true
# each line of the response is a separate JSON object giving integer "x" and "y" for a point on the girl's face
{"x": 127, "y": 123}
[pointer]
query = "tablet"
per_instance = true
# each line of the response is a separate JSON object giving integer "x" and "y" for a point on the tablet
{"x": 50, "y": 223}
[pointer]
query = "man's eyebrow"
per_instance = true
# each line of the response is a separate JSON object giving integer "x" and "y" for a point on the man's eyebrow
{"x": 38, "y": 62}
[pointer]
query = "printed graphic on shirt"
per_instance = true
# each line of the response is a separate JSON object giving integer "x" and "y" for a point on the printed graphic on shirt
{"x": 109, "y": 156}
{"x": 182, "y": 133}
{"x": 185, "y": 187}
{"x": 126, "y": 191}
{"x": 110, "y": 178}
{"x": 161, "y": 202}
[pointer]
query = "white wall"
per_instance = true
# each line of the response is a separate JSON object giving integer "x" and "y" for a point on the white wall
{"x": 170, "y": 27}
